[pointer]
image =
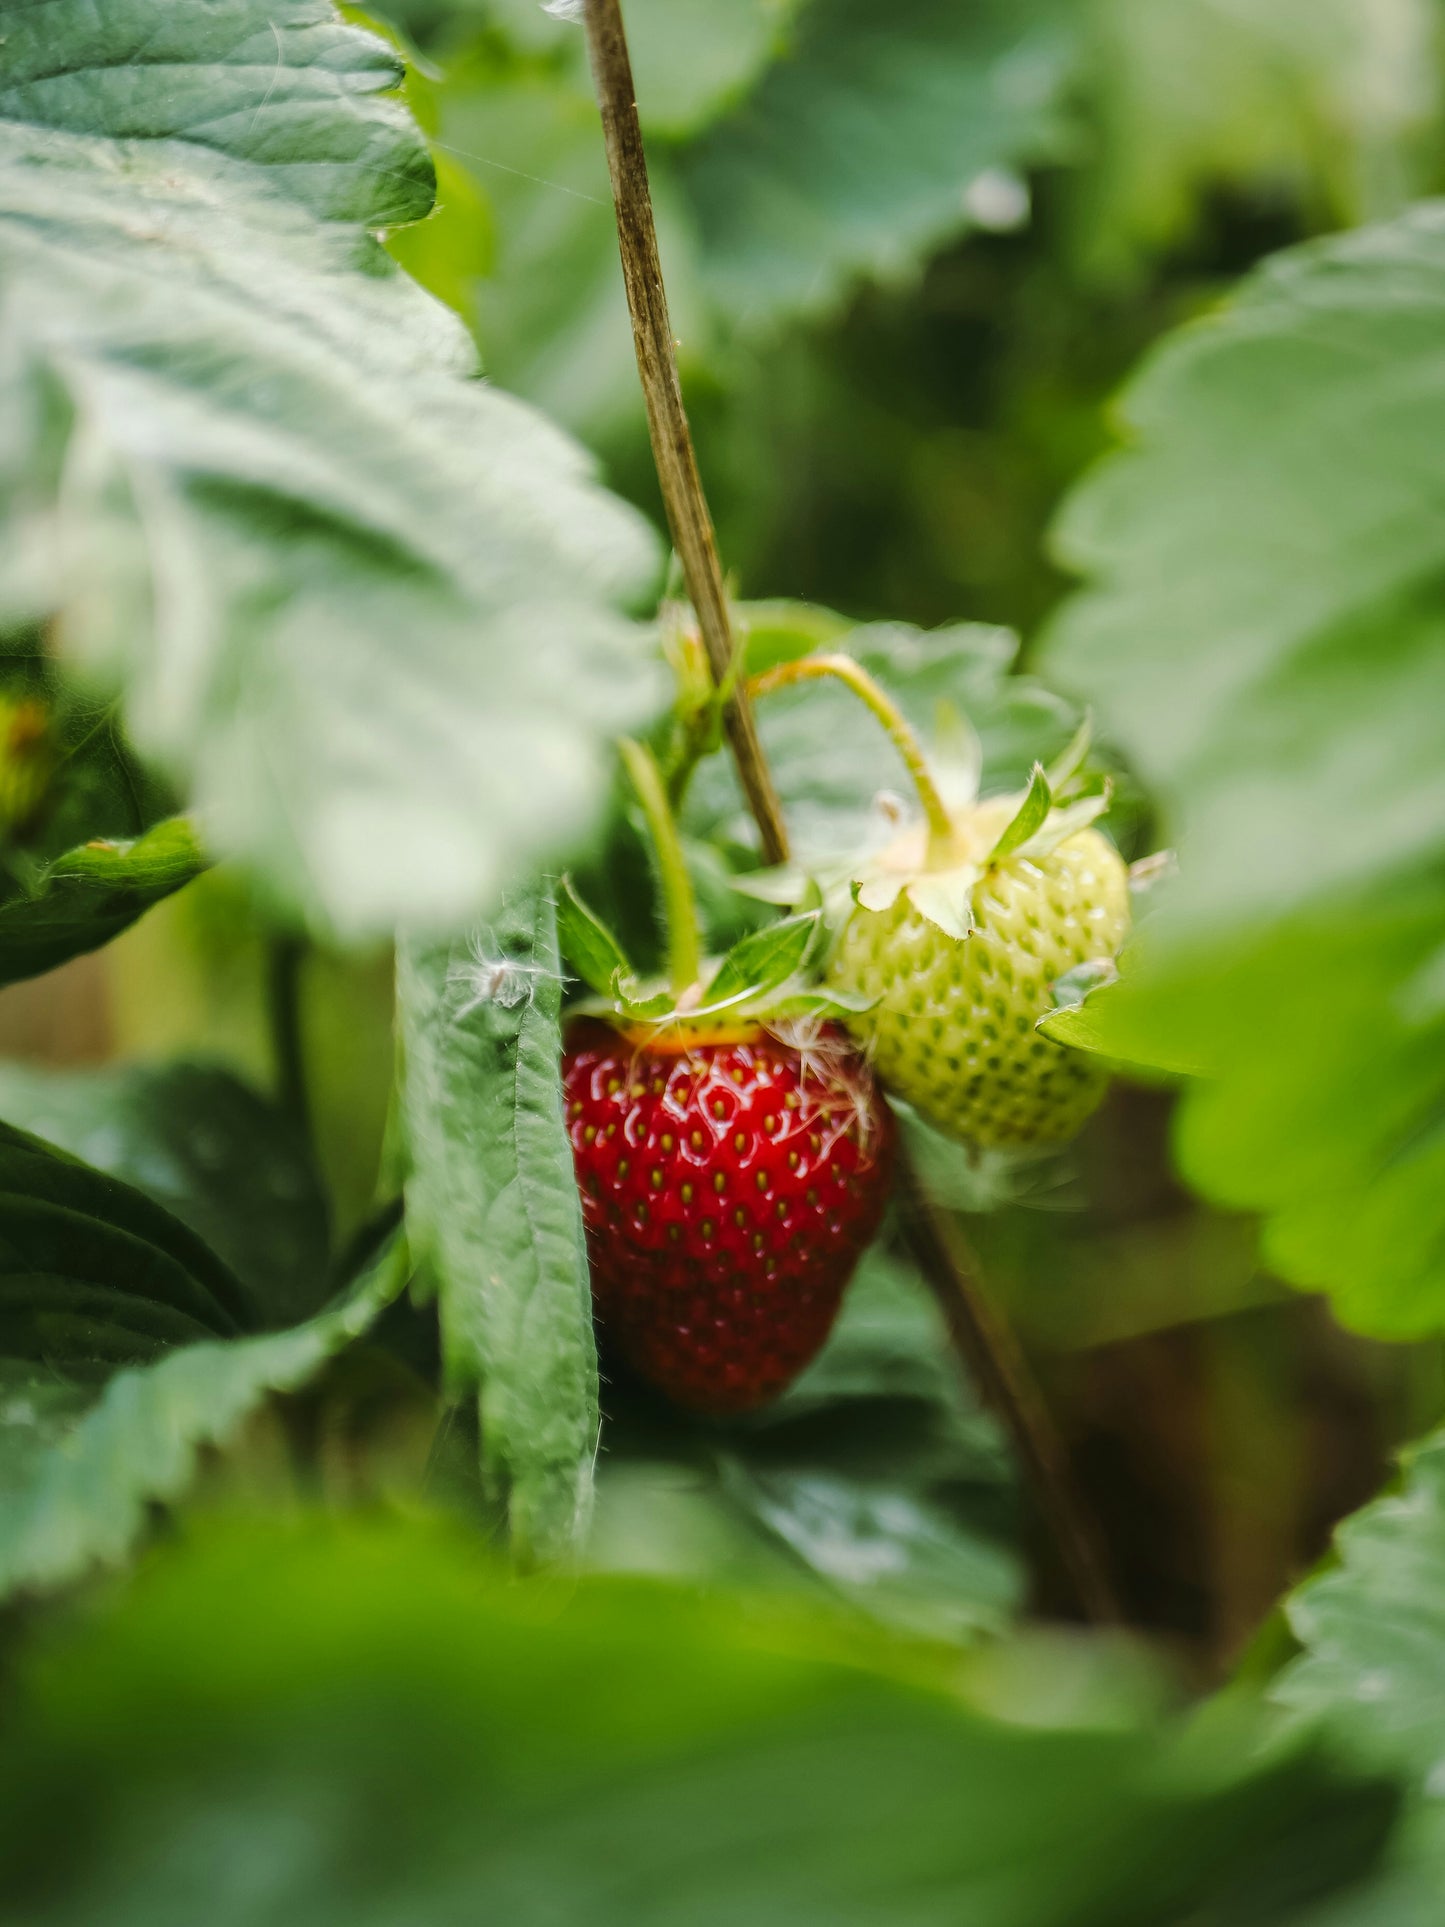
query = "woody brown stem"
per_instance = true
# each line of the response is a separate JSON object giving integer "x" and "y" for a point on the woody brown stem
{"x": 672, "y": 449}
{"x": 985, "y": 1346}
{"x": 994, "y": 1362}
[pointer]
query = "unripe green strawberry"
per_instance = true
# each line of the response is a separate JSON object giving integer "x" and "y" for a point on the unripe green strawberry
{"x": 957, "y": 988}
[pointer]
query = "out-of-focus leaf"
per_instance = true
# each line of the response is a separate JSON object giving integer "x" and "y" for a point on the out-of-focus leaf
{"x": 1276, "y": 522}
{"x": 354, "y": 1727}
{"x": 1324, "y": 101}
{"x": 363, "y": 607}
{"x": 84, "y": 897}
{"x": 692, "y": 59}
{"x": 874, "y": 136}
{"x": 551, "y": 312}
{"x": 1373, "y": 1632}
{"x": 872, "y": 1481}
{"x": 92, "y": 1272}
{"x": 883, "y": 132}
{"x": 80, "y": 1469}
{"x": 831, "y": 758}
{"x": 216, "y": 1154}
{"x": 94, "y": 852}
{"x": 493, "y": 1212}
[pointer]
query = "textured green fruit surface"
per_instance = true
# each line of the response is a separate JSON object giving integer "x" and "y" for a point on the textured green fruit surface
{"x": 953, "y": 1029}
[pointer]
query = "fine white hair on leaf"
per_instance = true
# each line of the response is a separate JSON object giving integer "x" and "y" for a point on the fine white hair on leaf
{"x": 484, "y": 977}
{"x": 563, "y": 9}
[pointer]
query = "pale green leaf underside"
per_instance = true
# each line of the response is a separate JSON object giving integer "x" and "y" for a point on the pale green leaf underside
{"x": 494, "y": 1215}
{"x": 361, "y": 605}
{"x": 1260, "y": 634}
{"x": 1373, "y": 1669}
{"x": 78, "y": 1473}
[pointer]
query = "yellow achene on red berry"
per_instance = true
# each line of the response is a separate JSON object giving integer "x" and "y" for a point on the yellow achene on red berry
{"x": 729, "y": 1188}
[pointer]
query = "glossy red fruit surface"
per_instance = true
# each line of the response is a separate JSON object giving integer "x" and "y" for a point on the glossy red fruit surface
{"x": 728, "y": 1190}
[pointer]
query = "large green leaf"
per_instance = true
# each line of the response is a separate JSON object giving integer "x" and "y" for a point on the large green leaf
{"x": 355, "y": 1727}
{"x": 216, "y": 1154}
{"x": 359, "y": 604}
{"x": 1260, "y": 635}
{"x": 1373, "y": 1632}
{"x": 494, "y": 1215}
{"x": 883, "y": 133}
{"x": 80, "y": 1470}
{"x": 92, "y": 1273}
{"x": 873, "y": 1480}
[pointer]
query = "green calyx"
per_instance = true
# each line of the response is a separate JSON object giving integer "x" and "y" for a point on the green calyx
{"x": 763, "y": 980}
{"x": 938, "y": 860}
{"x": 939, "y": 878}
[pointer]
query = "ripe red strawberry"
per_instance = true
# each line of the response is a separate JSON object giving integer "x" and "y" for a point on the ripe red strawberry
{"x": 729, "y": 1186}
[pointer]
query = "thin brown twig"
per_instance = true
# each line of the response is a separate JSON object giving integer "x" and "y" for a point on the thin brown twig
{"x": 677, "y": 471}
{"x": 985, "y": 1345}
{"x": 993, "y": 1360}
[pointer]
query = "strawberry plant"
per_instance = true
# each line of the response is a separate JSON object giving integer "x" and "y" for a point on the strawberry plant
{"x": 667, "y": 1254}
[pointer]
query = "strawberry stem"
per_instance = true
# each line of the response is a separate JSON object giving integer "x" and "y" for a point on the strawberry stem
{"x": 684, "y": 941}
{"x": 855, "y": 677}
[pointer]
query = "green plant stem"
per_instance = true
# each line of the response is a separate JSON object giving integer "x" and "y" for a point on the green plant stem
{"x": 672, "y": 449}
{"x": 684, "y": 942}
{"x": 285, "y": 966}
{"x": 905, "y": 741}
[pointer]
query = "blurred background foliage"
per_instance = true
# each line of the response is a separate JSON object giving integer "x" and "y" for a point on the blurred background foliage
{"x": 912, "y": 255}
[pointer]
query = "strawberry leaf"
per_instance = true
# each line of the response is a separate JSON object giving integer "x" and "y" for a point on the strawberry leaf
{"x": 378, "y": 1680}
{"x": 81, "y": 1472}
{"x": 493, "y": 1214}
{"x": 84, "y": 897}
{"x": 1275, "y": 516}
{"x": 356, "y": 602}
